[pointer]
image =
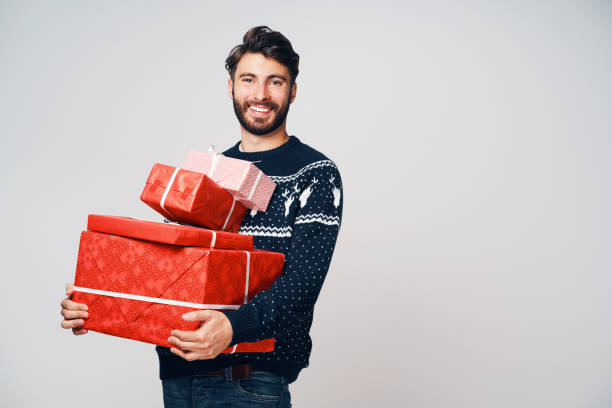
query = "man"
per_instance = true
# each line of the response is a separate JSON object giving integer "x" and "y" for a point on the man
{"x": 302, "y": 221}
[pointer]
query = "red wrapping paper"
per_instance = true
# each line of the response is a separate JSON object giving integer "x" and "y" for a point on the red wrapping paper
{"x": 192, "y": 274}
{"x": 165, "y": 233}
{"x": 193, "y": 198}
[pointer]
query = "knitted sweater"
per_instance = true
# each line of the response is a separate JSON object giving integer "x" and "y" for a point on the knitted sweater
{"x": 302, "y": 221}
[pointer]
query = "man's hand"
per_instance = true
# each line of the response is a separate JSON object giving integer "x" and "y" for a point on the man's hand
{"x": 73, "y": 313}
{"x": 213, "y": 336}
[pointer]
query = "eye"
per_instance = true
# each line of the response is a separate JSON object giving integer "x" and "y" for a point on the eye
{"x": 275, "y": 82}
{"x": 249, "y": 80}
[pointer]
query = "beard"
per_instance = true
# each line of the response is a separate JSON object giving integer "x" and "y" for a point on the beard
{"x": 258, "y": 126}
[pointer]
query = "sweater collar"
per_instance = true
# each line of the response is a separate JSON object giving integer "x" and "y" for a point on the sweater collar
{"x": 266, "y": 154}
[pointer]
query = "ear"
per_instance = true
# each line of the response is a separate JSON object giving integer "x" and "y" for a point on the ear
{"x": 230, "y": 86}
{"x": 293, "y": 92}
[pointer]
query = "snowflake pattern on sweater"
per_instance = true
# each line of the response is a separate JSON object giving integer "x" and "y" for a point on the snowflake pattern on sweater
{"x": 302, "y": 221}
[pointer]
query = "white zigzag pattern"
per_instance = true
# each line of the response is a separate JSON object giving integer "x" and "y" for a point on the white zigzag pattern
{"x": 322, "y": 218}
{"x": 262, "y": 231}
{"x": 320, "y": 163}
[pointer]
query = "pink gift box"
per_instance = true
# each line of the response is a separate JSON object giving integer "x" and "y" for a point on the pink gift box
{"x": 240, "y": 178}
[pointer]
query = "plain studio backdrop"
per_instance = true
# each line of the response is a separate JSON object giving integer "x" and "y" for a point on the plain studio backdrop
{"x": 473, "y": 266}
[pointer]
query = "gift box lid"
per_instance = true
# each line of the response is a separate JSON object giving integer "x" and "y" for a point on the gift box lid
{"x": 174, "y": 234}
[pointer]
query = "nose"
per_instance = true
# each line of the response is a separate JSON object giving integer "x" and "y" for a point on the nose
{"x": 261, "y": 92}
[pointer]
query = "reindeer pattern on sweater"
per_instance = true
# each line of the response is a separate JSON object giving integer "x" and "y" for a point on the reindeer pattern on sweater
{"x": 311, "y": 195}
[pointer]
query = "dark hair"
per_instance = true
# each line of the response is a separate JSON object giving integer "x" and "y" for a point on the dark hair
{"x": 269, "y": 43}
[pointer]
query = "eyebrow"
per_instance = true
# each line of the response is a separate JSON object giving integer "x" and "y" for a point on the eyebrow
{"x": 245, "y": 74}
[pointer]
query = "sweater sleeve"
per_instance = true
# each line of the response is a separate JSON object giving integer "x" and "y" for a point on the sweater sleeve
{"x": 289, "y": 303}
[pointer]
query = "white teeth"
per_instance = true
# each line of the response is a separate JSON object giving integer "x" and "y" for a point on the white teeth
{"x": 255, "y": 108}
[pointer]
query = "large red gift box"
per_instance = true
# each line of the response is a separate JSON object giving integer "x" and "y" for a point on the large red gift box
{"x": 193, "y": 198}
{"x": 139, "y": 289}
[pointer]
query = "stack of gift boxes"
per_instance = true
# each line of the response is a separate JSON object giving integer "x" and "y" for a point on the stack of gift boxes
{"x": 139, "y": 277}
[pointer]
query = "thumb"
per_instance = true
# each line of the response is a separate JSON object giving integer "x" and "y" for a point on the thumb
{"x": 201, "y": 315}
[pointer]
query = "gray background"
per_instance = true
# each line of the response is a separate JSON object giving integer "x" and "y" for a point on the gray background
{"x": 474, "y": 141}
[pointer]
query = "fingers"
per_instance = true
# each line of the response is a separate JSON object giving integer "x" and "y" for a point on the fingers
{"x": 201, "y": 315}
{"x": 73, "y": 324}
{"x": 70, "y": 305}
{"x": 74, "y": 314}
{"x": 194, "y": 336}
{"x": 187, "y": 345}
{"x": 182, "y": 354}
{"x": 191, "y": 356}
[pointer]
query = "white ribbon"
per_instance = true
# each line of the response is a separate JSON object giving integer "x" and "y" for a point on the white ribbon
{"x": 215, "y": 160}
{"x": 248, "y": 273}
{"x": 173, "y": 302}
{"x": 155, "y": 300}
{"x": 213, "y": 239}
{"x": 255, "y": 185}
{"x": 229, "y": 214}
{"x": 163, "y": 199}
{"x": 246, "y": 288}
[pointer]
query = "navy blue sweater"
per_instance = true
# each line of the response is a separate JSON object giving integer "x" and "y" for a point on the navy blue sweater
{"x": 302, "y": 221}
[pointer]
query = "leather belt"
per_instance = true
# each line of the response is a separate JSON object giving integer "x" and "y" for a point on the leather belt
{"x": 238, "y": 371}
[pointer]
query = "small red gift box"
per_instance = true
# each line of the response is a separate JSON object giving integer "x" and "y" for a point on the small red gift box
{"x": 139, "y": 289}
{"x": 193, "y": 198}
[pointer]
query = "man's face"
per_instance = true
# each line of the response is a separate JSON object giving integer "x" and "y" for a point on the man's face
{"x": 261, "y": 93}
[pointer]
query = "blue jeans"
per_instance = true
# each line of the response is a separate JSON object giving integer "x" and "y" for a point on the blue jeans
{"x": 212, "y": 391}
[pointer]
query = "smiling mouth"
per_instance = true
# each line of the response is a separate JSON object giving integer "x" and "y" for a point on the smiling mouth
{"x": 260, "y": 109}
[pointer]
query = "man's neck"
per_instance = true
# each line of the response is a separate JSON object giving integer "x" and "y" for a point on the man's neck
{"x": 254, "y": 143}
